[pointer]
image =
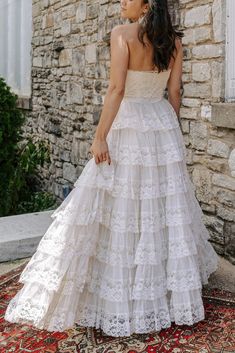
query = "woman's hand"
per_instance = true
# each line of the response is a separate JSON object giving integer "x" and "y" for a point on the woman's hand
{"x": 100, "y": 151}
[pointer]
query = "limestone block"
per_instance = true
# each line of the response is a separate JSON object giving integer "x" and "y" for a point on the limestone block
{"x": 113, "y": 9}
{"x": 65, "y": 156}
{"x": 92, "y": 11}
{"x": 217, "y": 79}
{"x": 69, "y": 172}
{"x": 189, "y": 156}
{"x": 57, "y": 190}
{"x": 197, "y": 90}
{"x": 197, "y": 16}
{"x": 187, "y": 66}
{"x": 202, "y": 180}
{"x": 219, "y": 20}
{"x": 37, "y": 61}
{"x": 191, "y": 102}
{"x": 185, "y": 1}
{"x": 215, "y": 164}
{"x": 216, "y": 227}
{"x": 36, "y": 9}
{"x": 188, "y": 113}
{"x": 103, "y": 12}
{"x": 58, "y": 173}
{"x": 223, "y": 115}
{"x": 65, "y": 57}
{"x": 226, "y": 213}
{"x": 205, "y": 51}
{"x": 201, "y": 72}
{"x": 63, "y": 2}
{"x": 224, "y": 181}
{"x": 78, "y": 61}
{"x": 91, "y": 53}
{"x": 81, "y": 12}
{"x": 198, "y": 135}
{"x": 185, "y": 126}
{"x": 206, "y": 112}
{"x": 84, "y": 147}
{"x": 74, "y": 93}
{"x": 231, "y": 162}
{"x": 208, "y": 208}
{"x": 65, "y": 27}
{"x": 196, "y": 35}
{"x": 230, "y": 248}
{"x": 186, "y": 77}
{"x": 218, "y": 148}
{"x": 75, "y": 149}
{"x": 226, "y": 197}
{"x": 48, "y": 20}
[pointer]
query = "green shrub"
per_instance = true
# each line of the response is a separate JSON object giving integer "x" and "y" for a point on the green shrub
{"x": 11, "y": 120}
{"x": 19, "y": 160}
{"x": 37, "y": 201}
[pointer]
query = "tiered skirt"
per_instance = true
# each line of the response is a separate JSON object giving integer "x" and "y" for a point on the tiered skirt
{"x": 127, "y": 250}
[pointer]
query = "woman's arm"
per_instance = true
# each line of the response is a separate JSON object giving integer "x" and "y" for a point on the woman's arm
{"x": 115, "y": 92}
{"x": 174, "y": 82}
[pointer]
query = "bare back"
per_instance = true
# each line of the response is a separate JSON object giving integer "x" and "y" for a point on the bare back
{"x": 140, "y": 56}
{"x": 128, "y": 53}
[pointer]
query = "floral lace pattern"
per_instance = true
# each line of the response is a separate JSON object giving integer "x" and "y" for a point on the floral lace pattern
{"x": 25, "y": 312}
{"x": 150, "y": 320}
{"x": 127, "y": 250}
{"x": 144, "y": 117}
{"x": 119, "y": 222}
{"x": 126, "y": 155}
{"x": 117, "y": 325}
{"x": 48, "y": 271}
{"x": 128, "y": 187}
{"x": 149, "y": 123}
{"x": 130, "y": 147}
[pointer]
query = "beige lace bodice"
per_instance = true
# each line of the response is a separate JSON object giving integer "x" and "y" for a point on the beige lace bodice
{"x": 146, "y": 84}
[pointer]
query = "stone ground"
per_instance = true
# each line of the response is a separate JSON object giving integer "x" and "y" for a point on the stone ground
{"x": 223, "y": 278}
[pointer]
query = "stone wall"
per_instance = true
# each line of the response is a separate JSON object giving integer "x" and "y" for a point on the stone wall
{"x": 70, "y": 53}
{"x": 70, "y": 50}
{"x": 70, "y": 71}
{"x": 210, "y": 145}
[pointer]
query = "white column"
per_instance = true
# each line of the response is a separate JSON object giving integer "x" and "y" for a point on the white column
{"x": 26, "y": 37}
{"x": 15, "y": 44}
{"x": 3, "y": 37}
{"x": 230, "y": 51}
{"x": 11, "y": 50}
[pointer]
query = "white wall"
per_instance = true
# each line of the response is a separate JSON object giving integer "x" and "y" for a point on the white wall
{"x": 15, "y": 44}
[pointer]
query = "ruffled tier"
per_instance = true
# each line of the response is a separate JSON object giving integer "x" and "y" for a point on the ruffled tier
{"x": 130, "y": 146}
{"x": 127, "y": 250}
{"x": 144, "y": 115}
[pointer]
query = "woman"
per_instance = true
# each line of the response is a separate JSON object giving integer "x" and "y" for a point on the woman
{"x": 127, "y": 250}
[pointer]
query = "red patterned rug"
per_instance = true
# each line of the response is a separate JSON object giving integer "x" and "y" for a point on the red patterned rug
{"x": 213, "y": 335}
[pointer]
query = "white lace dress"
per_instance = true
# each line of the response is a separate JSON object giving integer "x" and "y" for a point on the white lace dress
{"x": 127, "y": 250}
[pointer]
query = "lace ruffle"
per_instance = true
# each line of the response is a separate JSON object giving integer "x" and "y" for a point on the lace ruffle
{"x": 147, "y": 215}
{"x": 148, "y": 315}
{"x": 144, "y": 117}
{"x": 133, "y": 182}
{"x": 127, "y": 250}
{"x": 154, "y": 148}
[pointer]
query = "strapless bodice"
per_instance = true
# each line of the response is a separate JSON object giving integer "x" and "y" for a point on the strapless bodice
{"x": 146, "y": 84}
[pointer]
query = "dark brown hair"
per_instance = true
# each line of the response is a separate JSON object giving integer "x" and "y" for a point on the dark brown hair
{"x": 158, "y": 27}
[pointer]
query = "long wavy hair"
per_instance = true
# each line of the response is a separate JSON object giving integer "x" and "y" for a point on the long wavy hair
{"x": 158, "y": 27}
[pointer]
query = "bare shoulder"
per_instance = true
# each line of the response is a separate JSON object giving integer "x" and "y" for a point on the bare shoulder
{"x": 118, "y": 30}
{"x": 126, "y": 31}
